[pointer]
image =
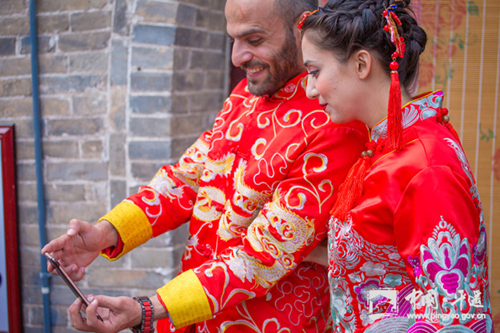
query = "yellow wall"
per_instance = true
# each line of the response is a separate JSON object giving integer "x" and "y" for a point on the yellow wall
{"x": 462, "y": 59}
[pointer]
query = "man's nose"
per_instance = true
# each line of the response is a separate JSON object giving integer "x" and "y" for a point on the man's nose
{"x": 240, "y": 54}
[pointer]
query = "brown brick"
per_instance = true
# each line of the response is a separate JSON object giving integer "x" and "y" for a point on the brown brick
{"x": 53, "y": 64}
{"x": 188, "y": 81}
{"x": 28, "y": 213}
{"x": 118, "y": 107}
{"x": 84, "y": 41}
{"x": 191, "y": 37}
{"x": 29, "y": 235}
{"x": 186, "y": 15}
{"x": 60, "y": 149}
{"x": 54, "y": 106}
{"x": 157, "y": 12}
{"x": 152, "y": 58}
{"x": 97, "y": 191}
{"x": 70, "y": 83}
{"x": 76, "y": 171}
{"x": 27, "y": 191}
{"x": 7, "y": 46}
{"x": 92, "y": 149}
{"x": 19, "y": 107}
{"x": 73, "y": 126}
{"x": 15, "y": 87}
{"x": 217, "y": 41}
{"x": 179, "y": 145}
{"x": 207, "y": 60}
{"x": 210, "y": 20}
{"x": 120, "y": 22}
{"x": 215, "y": 80}
{"x": 142, "y": 81}
{"x": 202, "y": 3}
{"x": 24, "y": 128}
{"x": 180, "y": 103}
{"x": 145, "y": 127}
{"x": 89, "y": 105}
{"x": 63, "y": 213}
{"x": 64, "y": 5}
{"x": 14, "y": 26}
{"x": 65, "y": 192}
{"x": 181, "y": 58}
{"x": 91, "y": 62}
{"x": 184, "y": 125}
{"x": 25, "y": 150}
{"x": 90, "y": 21}
{"x": 126, "y": 278}
{"x": 46, "y": 44}
{"x": 218, "y": 5}
{"x": 119, "y": 63}
{"x": 8, "y": 7}
{"x": 207, "y": 102}
{"x": 30, "y": 256}
{"x": 144, "y": 171}
{"x": 117, "y": 156}
{"x": 118, "y": 191}
{"x": 48, "y": 24}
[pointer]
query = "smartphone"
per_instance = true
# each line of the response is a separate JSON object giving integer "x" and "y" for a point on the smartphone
{"x": 74, "y": 288}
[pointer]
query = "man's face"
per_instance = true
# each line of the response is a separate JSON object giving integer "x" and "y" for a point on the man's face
{"x": 263, "y": 46}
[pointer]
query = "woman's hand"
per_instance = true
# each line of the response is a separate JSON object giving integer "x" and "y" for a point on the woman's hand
{"x": 118, "y": 313}
{"x": 319, "y": 254}
{"x": 80, "y": 246}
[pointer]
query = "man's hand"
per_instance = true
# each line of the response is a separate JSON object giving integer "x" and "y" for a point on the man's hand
{"x": 319, "y": 254}
{"x": 118, "y": 313}
{"x": 80, "y": 246}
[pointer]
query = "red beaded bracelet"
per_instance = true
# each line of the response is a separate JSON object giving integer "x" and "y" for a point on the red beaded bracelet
{"x": 146, "y": 325}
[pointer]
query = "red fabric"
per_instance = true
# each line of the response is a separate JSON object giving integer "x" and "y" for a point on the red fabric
{"x": 257, "y": 190}
{"x": 418, "y": 230}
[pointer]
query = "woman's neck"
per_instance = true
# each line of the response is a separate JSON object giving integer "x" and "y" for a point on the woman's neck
{"x": 380, "y": 106}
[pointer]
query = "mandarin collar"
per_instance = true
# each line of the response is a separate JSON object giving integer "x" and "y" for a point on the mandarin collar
{"x": 420, "y": 108}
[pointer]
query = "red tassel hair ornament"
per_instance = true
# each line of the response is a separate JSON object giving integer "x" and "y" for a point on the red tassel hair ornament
{"x": 351, "y": 190}
{"x": 394, "y": 114}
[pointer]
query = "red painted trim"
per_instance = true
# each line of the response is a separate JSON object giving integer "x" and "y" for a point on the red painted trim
{"x": 11, "y": 232}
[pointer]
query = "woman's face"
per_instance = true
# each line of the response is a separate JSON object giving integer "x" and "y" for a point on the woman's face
{"x": 335, "y": 84}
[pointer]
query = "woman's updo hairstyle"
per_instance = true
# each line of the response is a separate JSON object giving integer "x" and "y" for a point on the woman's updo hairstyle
{"x": 346, "y": 26}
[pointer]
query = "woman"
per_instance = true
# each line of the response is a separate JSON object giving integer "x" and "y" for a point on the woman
{"x": 407, "y": 240}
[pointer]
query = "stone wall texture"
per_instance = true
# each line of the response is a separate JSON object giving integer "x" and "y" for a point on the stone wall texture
{"x": 126, "y": 86}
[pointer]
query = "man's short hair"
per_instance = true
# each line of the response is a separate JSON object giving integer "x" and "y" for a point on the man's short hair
{"x": 290, "y": 10}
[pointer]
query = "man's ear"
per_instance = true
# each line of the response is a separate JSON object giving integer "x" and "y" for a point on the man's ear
{"x": 363, "y": 61}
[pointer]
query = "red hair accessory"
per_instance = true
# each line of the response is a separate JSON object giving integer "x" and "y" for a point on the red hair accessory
{"x": 306, "y": 15}
{"x": 394, "y": 116}
{"x": 352, "y": 188}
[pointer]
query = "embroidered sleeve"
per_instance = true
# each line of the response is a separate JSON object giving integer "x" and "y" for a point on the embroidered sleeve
{"x": 287, "y": 228}
{"x": 441, "y": 236}
{"x": 164, "y": 204}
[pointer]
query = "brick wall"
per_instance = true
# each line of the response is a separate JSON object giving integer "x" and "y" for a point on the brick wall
{"x": 126, "y": 86}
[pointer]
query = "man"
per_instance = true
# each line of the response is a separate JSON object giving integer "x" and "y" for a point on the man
{"x": 256, "y": 189}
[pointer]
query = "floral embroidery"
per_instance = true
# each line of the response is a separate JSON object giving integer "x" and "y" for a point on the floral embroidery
{"x": 446, "y": 261}
{"x": 448, "y": 268}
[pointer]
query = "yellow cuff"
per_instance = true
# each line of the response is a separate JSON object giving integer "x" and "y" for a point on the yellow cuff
{"x": 185, "y": 300}
{"x": 132, "y": 225}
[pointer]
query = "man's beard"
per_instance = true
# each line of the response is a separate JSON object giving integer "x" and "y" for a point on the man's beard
{"x": 285, "y": 64}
